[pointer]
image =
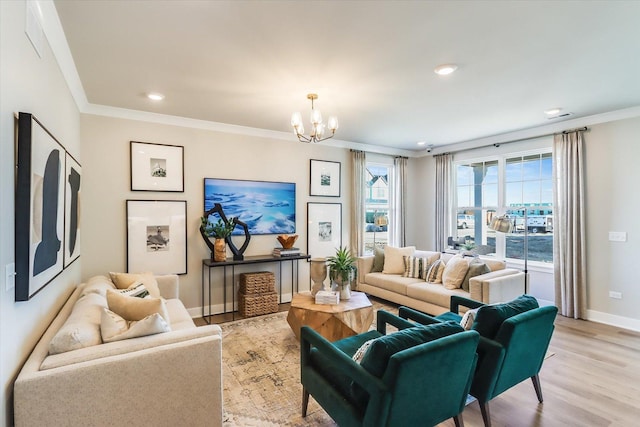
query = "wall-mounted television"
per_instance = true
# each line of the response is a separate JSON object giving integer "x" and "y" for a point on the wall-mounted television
{"x": 266, "y": 207}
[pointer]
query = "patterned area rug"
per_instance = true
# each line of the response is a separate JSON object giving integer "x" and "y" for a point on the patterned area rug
{"x": 261, "y": 374}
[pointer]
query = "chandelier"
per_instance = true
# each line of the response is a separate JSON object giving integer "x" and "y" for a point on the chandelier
{"x": 318, "y": 128}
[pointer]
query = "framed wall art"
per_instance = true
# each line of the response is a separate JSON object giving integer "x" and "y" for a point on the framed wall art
{"x": 39, "y": 207}
{"x": 157, "y": 236}
{"x": 157, "y": 167}
{"x": 72, "y": 187}
{"x": 324, "y": 228}
{"x": 325, "y": 178}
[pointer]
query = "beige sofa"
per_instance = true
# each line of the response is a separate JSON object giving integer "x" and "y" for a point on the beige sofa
{"x": 501, "y": 284}
{"x": 166, "y": 379}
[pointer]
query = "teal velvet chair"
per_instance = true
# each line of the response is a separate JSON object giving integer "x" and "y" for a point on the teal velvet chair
{"x": 514, "y": 338}
{"x": 424, "y": 383}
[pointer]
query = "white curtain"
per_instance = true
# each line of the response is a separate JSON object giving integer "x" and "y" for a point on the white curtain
{"x": 358, "y": 167}
{"x": 569, "y": 225}
{"x": 397, "y": 234}
{"x": 443, "y": 200}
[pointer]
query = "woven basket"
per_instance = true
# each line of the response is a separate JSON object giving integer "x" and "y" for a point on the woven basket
{"x": 257, "y": 304}
{"x": 257, "y": 283}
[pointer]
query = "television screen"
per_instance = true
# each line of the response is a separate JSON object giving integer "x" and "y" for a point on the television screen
{"x": 266, "y": 207}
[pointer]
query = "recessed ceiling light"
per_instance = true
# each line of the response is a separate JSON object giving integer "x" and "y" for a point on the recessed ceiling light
{"x": 445, "y": 69}
{"x": 421, "y": 143}
{"x": 552, "y": 111}
{"x": 155, "y": 96}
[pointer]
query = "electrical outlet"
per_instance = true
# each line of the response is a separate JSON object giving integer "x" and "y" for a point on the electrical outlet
{"x": 10, "y": 276}
{"x": 615, "y": 295}
{"x": 617, "y": 236}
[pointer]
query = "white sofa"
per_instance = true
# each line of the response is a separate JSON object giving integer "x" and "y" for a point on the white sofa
{"x": 501, "y": 284}
{"x": 166, "y": 379}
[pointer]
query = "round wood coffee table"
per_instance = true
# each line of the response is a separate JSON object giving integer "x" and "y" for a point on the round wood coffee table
{"x": 351, "y": 317}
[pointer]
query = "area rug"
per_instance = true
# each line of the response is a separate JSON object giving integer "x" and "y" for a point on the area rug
{"x": 261, "y": 374}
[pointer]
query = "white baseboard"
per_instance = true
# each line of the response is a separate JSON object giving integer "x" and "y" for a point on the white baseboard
{"x": 613, "y": 320}
{"x": 196, "y": 312}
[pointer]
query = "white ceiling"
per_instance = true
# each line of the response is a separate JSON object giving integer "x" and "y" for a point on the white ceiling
{"x": 251, "y": 63}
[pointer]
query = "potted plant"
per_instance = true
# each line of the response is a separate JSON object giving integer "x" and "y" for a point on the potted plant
{"x": 219, "y": 231}
{"x": 342, "y": 269}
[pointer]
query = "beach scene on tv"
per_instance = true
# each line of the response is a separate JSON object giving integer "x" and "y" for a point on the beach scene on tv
{"x": 266, "y": 207}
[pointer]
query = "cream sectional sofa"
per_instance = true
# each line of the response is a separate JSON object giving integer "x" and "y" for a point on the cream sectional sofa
{"x": 500, "y": 284}
{"x": 166, "y": 379}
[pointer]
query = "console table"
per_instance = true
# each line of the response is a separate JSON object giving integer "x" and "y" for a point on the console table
{"x": 208, "y": 265}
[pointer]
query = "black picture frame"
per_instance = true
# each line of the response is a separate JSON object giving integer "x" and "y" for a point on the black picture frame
{"x": 39, "y": 207}
{"x": 324, "y": 228}
{"x": 324, "y": 178}
{"x": 156, "y": 167}
{"x": 72, "y": 197}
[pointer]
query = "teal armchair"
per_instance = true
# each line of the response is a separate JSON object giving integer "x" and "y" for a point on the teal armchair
{"x": 423, "y": 383}
{"x": 514, "y": 338}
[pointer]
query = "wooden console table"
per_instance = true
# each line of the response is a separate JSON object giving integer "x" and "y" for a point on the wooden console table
{"x": 208, "y": 264}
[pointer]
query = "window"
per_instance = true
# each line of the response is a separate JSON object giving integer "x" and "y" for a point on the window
{"x": 377, "y": 205}
{"x": 507, "y": 184}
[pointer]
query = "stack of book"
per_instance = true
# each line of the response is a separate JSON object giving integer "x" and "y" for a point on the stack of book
{"x": 328, "y": 297}
{"x": 282, "y": 252}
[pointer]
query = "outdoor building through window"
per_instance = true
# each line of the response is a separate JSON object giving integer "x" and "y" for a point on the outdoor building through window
{"x": 506, "y": 185}
{"x": 377, "y": 199}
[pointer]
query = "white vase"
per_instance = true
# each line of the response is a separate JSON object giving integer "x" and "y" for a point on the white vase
{"x": 318, "y": 274}
{"x": 345, "y": 292}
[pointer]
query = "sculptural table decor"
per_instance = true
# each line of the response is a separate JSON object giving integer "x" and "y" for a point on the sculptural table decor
{"x": 318, "y": 274}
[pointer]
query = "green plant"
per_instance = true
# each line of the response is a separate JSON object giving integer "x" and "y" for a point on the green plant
{"x": 218, "y": 230}
{"x": 342, "y": 265}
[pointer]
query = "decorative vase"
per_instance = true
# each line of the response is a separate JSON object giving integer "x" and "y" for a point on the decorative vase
{"x": 219, "y": 250}
{"x": 318, "y": 274}
{"x": 345, "y": 292}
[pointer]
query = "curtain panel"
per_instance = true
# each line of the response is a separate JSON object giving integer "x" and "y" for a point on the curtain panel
{"x": 358, "y": 167}
{"x": 444, "y": 166}
{"x": 397, "y": 233}
{"x": 569, "y": 246}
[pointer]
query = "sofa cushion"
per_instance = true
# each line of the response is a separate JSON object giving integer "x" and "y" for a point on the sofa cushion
{"x": 476, "y": 268}
{"x": 431, "y": 256}
{"x": 393, "y": 259}
{"x": 489, "y": 318}
{"x": 434, "y": 275}
{"x": 454, "y": 272}
{"x": 415, "y": 267}
{"x": 115, "y": 328}
{"x": 391, "y": 282}
{"x": 82, "y": 327}
{"x": 433, "y": 293}
{"x": 125, "y": 280}
{"x": 178, "y": 315}
{"x": 98, "y": 285}
{"x": 378, "y": 260}
{"x": 132, "y": 308}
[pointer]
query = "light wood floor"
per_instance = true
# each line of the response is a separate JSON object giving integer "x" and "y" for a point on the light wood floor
{"x": 592, "y": 380}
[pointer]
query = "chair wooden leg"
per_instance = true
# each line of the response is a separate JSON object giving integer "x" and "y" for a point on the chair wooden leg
{"x": 458, "y": 420}
{"x": 486, "y": 416}
{"x": 536, "y": 385}
{"x": 305, "y": 401}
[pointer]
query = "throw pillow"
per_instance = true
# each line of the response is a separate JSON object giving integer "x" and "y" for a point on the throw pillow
{"x": 434, "y": 275}
{"x": 82, "y": 327}
{"x": 468, "y": 318}
{"x": 415, "y": 267}
{"x": 489, "y": 318}
{"x": 393, "y": 263}
{"x": 476, "y": 268}
{"x": 115, "y": 328}
{"x": 376, "y": 359}
{"x": 359, "y": 354}
{"x": 125, "y": 280}
{"x": 378, "y": 260}
{"x": 137, "y": 290}
{"x": 454, "y": 272}
{"x": 136, "y": 308}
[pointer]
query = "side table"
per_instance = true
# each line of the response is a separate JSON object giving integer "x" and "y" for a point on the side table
{"x": 351, "y": 317}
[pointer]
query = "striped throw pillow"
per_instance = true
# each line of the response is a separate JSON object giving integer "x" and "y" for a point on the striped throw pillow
{"x": 434, "y": 275}
{"x": 415, "y": 267}
{"x": 136, "y": 290}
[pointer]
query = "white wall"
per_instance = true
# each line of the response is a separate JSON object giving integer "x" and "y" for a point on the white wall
{"x": 35, "y": 85}
{"x": 106, "y": 152}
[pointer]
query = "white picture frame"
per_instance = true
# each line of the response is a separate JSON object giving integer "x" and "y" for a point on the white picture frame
{"x": 157, "y": 236}
{"x": 324, "y": 229}
{"x": 324, "y": 178}
{"x": 157, "y": 167}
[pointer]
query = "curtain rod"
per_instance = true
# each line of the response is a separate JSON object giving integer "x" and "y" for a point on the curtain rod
{"x": 498, "y": 144}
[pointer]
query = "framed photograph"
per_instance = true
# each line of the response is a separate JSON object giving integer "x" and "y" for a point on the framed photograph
{"x": 266, "y": 207}
{"x": 324, "y": 228}
{"x": 72, "y": 187}
{"x": 39, "y": 207}
{"x": 325, "y": 178}
{"x": 157, "y": 167}
{"x": 157, "y": 236}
